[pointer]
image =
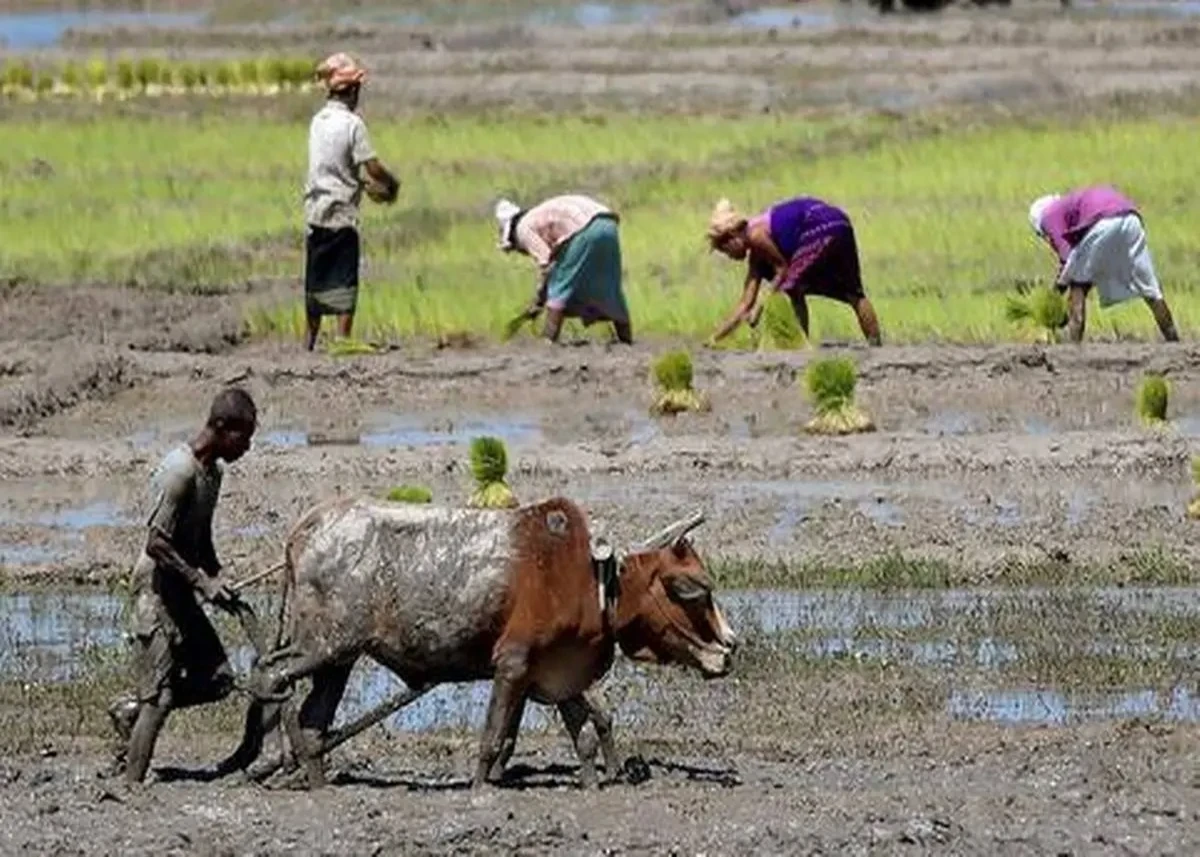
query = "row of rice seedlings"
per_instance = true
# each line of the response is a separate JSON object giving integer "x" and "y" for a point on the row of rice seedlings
{"x": 155, "y": 76}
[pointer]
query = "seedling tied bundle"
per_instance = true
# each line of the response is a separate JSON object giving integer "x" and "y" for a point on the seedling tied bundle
{"x": 830, "y": 385}
{"x": 1152, "y": 397}
{"x": 778, "y": 329}
{"x": 489, "y": 464}
{"x": 1043, "y": 307}
{"x": 673, "y": 375}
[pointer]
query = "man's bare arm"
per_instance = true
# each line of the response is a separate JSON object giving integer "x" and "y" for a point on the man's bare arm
{"x": 379, "y": 173}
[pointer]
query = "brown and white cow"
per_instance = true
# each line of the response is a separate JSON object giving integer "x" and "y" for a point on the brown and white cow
{"x": 524, "y": 597}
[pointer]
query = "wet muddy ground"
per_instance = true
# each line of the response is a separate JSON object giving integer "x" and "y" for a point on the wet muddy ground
{"x": 983, "y": 718}
{"x": 859, "y": 722}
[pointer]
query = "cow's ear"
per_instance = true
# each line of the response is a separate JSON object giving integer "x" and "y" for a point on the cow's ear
{"x": 685, "y": 589}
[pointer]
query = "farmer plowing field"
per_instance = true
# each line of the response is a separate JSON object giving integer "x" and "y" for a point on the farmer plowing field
{"x": 575, "y": 242}
{"x": 802, "y": 246}
{"x": 1098, "y": 235}
{"x": 339, "y": 149}
{"x": 179, "y": 661}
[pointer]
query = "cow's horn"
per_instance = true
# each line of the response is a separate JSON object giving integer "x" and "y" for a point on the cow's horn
{"x": 676, "y": 531}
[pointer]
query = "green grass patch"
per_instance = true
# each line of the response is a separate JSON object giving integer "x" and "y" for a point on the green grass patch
{"x": 206, "y": 202}
{"x": 896, "y": 571}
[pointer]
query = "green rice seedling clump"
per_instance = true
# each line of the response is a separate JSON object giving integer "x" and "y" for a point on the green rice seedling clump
{"x": 410, "y": 494}
{"x": 489, "y": 464}
{"x": 97, "y": 73}
{"x": 778, "y": 329}
{"x": 349, "y": 347}
{"x": 1044, "y": 307}
{"x": 674, "y": 374}
{"x": 126, "y": 75}
{"x": 1152, "y": 396}
{"x": 831, "y": 384}
{"x": 71, "y": 76}
{"x": 18, "y": 75}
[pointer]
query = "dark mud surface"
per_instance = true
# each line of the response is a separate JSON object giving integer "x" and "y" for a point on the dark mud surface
{"x": 1111, "y": 789}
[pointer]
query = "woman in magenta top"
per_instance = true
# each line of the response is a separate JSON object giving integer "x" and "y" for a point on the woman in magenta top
{"x": 804, "y": 246}
{"x": 1098, "y": 236}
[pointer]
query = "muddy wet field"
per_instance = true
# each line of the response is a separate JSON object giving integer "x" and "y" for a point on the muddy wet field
{"x": 1032, "y": 719}
{"x": 974, "y": 630}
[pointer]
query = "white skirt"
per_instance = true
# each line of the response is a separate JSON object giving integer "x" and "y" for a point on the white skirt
{"x": 1114, "y": 258}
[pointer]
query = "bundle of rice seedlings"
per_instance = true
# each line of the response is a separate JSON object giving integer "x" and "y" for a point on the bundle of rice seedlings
{"x": 272, "y": 73}
{"x": 778, "y": 329}
{"x": 187, "y": 76}
{"x": 349, "y": 347}
{"x": 148, "y": 72}
{"x": 410, "y": 494}
{"x": 71, "y": 77}
{"x": 97, "y": 73}
{"x": 830, "y": 385}
{"x": 673, "y": 375}
{"x": 1043, "y": 307}
{"x": 1152, "y": 396}
{"x": 248, "y": 73}
{"x": 489, "y": 463}
{"x": 299, "y": 71}
{"x": 43, "y": 83}
{"x": 17, "y": 75}
{"x": 126, "y": 77}
{"x": 225, "y": 75}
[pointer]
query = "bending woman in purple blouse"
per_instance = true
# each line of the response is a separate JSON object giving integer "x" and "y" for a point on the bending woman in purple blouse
{"x": 1098, "y": 236}
{"x": 804, "y": 246}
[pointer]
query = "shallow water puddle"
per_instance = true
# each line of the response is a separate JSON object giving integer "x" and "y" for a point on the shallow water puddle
{"x": 54, "y": 638}
{"x": 1166, "y": 8}
{"x": 26, "y": 31}
{"x": 955, "y": 422}
{"x": 97, "y": 513}
{"x": 1054, "y": 707}
{"x": 379, "y": 430}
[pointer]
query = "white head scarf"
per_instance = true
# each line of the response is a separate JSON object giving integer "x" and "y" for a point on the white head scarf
{"x": 506, "y": 210}
{"x": 1038, "y": 210}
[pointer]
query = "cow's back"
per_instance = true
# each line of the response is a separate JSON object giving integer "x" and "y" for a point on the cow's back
{"x": 425, "y": 587}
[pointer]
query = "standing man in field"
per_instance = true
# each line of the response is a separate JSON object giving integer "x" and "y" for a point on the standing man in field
{"x": 178, "y": 659}
{"x": 1100, "y": 241}
{"x": 574, "y": 241}
{"x": 338, "y": 150}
